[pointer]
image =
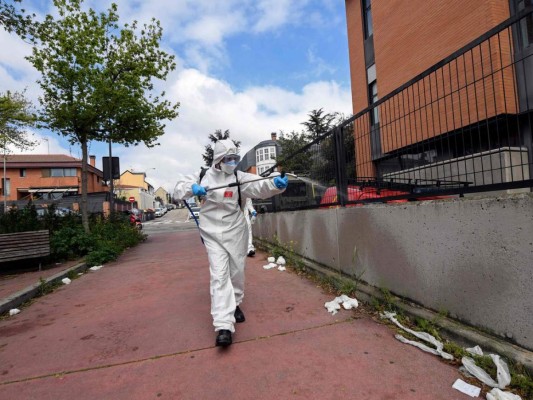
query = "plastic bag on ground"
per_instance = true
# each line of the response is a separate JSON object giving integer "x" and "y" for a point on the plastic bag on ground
{"x": 502, "y": 372}
{"x": 14, "y": 311}
{"x": 280, "y": 261}
{"x": 497, "y": 394}
{"x": 270, "y": 266}
{"x": 475, "y": 350}
{"x": 96, "y": 267}
{"x": 281, "y": 268}
{"x": 66, "y": 281}
{"x": 421, "y": 335}
{"x": 478, "y": 372}
{"x": 271, "y": 259}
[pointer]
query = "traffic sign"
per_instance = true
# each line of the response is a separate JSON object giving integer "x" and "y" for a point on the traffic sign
{"x": 132, "y": 199}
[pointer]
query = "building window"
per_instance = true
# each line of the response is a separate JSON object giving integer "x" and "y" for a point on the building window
{"x": 6, "y": 187}
{"x": 58, "y": 172}
{"x": 22, "y": 172}
{"x": 373, "y": 92}
{"x": 264, "y": 168}
{"x": 367, "y": 16}
{"x": 526, "y": 24}
{"x": 265, "y": 154}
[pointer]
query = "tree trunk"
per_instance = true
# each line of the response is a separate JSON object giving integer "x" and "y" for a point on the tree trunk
{"x": 84, "y": 213}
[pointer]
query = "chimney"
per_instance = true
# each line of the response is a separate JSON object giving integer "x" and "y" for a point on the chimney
{"x": 273, "y": 136}
{"x": 92, "y": 161}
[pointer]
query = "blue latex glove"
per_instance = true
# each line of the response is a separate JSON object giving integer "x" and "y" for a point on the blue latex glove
{"x": 281, "y": 183}
{"x": 254, "y": 213}
{"x": 198, "y": 190}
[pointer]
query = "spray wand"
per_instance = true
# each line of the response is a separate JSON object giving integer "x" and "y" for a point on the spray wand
{"x": 233, "y": 184}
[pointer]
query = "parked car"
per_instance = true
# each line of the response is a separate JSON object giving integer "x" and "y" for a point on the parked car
{"x": 356, "y": 193}
{"x": 158, "y": 212}
{"x": 196, "y": 211}
{"x": 170, "y": 207}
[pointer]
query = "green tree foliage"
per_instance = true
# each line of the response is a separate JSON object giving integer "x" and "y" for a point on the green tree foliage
{"x": 97, "y": 79}
{"x": 15, "y": 117}
{"x": 291, "y": 143}
{"x": 319, "y": 123}
{"x": 318, "y": 160}
{"x": 12, "y": 18}
{"x": 214, "y": 137}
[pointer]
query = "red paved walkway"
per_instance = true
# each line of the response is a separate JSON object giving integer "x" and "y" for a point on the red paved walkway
{"x": 140, "y": 328}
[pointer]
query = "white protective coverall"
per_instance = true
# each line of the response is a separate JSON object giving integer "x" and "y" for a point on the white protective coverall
{"x": 224, "y": 230}
{"x": 250, "y": 219}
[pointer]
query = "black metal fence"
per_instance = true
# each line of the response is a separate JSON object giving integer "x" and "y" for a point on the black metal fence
{"x": 462, "y": 126}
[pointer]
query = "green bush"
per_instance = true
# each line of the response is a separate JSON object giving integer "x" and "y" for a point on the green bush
{"x": 107, "y": 239}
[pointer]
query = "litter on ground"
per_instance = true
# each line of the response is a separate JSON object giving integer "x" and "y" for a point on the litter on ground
{"x": 466, "y": 388}
{"x": 271, "y": 259}
{"x": 66, "y": 281}
{"x": 438, "y": 350}
{"x": 280, "y": 261}
{"x": 497, "y": 394}
{"x": 270, "y": 265}
{"x": 334, "y": 305}
{"x": 96, "y": 267}
{"x": 14, "y": 311}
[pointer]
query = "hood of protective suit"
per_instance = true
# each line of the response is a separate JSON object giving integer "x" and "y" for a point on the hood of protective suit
{"x": 223, "y": 148}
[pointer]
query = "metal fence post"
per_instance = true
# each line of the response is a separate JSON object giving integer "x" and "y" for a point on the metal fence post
{"x": 340, "y": 166}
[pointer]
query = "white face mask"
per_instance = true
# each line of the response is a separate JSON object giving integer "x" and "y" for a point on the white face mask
{"x": 228, "y": 167}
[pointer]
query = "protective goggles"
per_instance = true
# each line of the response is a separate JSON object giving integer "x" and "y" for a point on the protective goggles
{"x": 231, "y": 158}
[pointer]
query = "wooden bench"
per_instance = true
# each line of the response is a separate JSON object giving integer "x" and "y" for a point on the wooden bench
{"x": 24, "y": 245}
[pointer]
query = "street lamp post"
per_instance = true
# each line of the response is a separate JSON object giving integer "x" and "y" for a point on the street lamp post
{"x": 4, "y": 192}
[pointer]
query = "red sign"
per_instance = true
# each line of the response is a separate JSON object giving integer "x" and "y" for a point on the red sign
{"x": 132, "y": 199}
{"x": 228, "y": 194}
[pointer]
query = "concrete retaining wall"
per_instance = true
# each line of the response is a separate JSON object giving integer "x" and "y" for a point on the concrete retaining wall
{"x": 470, "y": 257}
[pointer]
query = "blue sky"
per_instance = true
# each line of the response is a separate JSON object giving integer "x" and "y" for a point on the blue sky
{"x": 250, "y": 66}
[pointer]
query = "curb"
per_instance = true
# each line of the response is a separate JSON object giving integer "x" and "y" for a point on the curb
{"x": 22, "y": 296}
{"x": 452, "y": 330}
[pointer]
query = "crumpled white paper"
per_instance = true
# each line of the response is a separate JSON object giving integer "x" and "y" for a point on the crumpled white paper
{"x": 281, "y": 268}
{"x": 271, "y": 259}
{"x": 335, "y": 304}
{"x": 497, "y": 394}
{"x": 421, "y": 335}
{"x": 14, "y": 311}
{"x": 66, "y": 281}
{"x": 96, "y": 267}
{"x": 280, "y": 261}
{"x": 270, "y": 265}
{"x": 466, "y": 388}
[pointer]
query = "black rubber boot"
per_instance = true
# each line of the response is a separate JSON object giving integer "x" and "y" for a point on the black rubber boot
{"x": 251, "y": 253}
{"x": 239, "y": 315}
{"x": 223, "y": 338}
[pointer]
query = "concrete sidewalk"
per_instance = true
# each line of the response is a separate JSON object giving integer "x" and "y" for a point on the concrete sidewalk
{"x": 140, "y": 328}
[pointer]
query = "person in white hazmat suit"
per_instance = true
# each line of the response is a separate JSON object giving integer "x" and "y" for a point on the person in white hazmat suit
{"x": 250, "y": 214}
{"x": 224, "y": 231}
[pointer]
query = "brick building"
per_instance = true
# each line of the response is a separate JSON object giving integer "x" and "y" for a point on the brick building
{"x": 47, "y": 177}
{"x": 445, "y": 88}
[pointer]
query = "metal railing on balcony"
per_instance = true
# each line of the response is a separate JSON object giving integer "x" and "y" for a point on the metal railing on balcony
{"x": 462, "y": 126}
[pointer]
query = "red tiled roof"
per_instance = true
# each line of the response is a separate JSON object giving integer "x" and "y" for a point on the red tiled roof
{"x": 39, "y": 158}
